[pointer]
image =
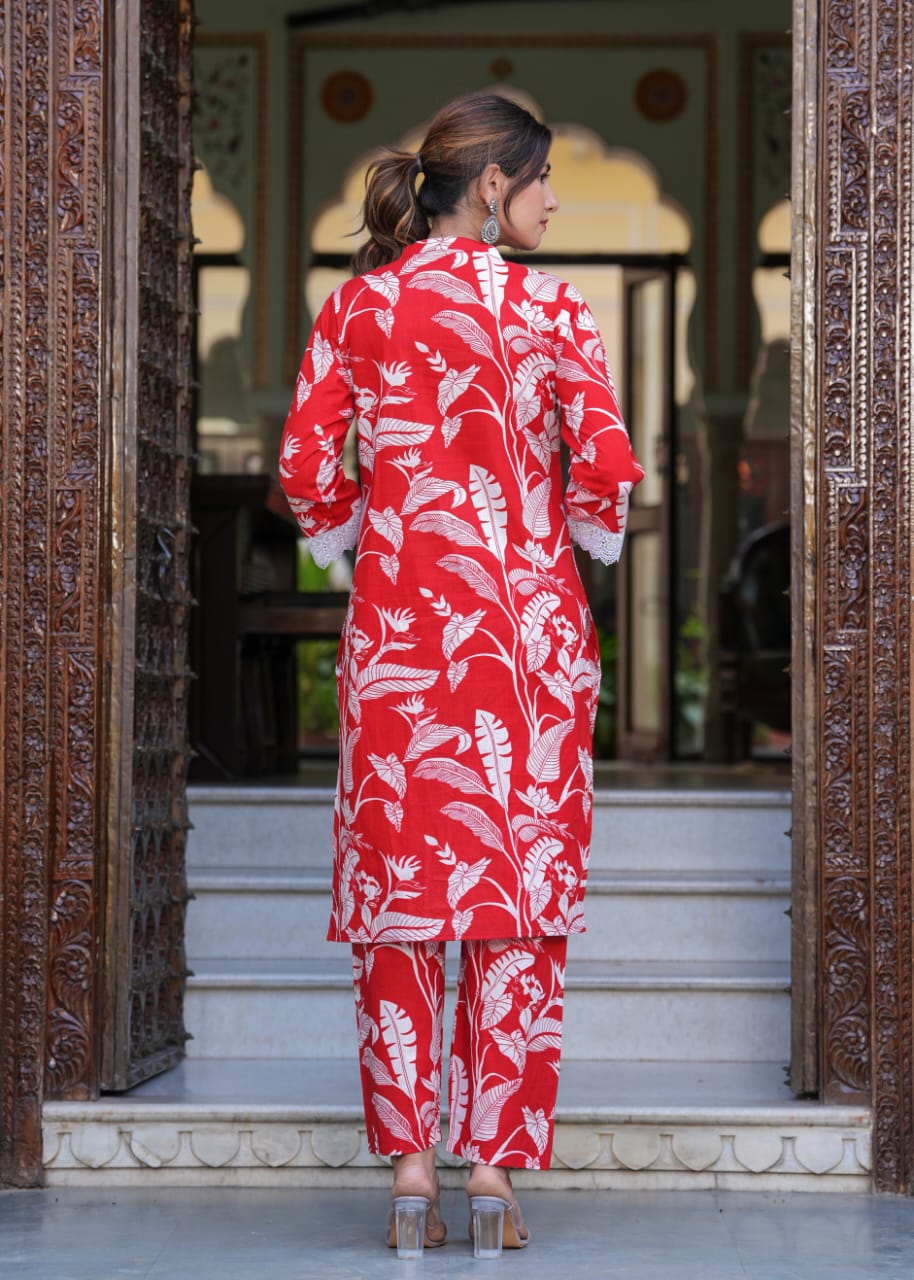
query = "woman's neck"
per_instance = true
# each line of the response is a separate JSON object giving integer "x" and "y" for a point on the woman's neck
{"x": 456, "y": 224}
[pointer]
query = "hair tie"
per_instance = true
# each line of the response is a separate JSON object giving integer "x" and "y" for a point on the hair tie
{"x": 419, "y": 163}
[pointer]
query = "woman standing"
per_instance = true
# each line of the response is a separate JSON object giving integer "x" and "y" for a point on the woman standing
{"x": 468, "y": 667}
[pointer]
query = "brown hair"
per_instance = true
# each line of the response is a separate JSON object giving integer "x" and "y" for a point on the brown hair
{"x": 464, "y": 137}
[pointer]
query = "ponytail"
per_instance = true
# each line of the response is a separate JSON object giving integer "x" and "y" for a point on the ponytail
{"x": 391, "y": 215}
{"x": 463, "y": 138}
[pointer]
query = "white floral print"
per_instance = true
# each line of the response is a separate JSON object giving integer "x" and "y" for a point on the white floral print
{"x": 468, "y": 668}
{"x": 504, "y": 1057}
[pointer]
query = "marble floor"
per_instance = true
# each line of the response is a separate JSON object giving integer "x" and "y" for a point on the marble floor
{"x": 331, "y": 1088}
{"x": 283, "y": 1235}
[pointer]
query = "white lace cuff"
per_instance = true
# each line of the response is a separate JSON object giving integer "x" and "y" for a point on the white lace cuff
{"x": 598, "y": 542}
{"x": 329, "y": 545}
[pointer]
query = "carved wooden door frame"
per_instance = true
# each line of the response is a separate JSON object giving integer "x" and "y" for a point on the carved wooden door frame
{"x": 62, "y": 676}
{"x": 853, "y": 326}
{"x": 52, "y": 557}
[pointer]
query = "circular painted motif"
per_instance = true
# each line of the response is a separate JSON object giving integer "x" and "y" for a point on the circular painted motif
{"x": 661, "y": 95}
{"x": 347, "y": 96}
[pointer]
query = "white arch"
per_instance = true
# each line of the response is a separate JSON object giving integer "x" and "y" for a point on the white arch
{"x": 774, "y": 229}
{"x": 610, "y": 198}
{"x": 217, "y": 223}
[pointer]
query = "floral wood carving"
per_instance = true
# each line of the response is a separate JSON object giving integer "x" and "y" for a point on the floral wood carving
{"x": 864, "y": 578}
{"x": 24, "y": 584}
{"x": 75, "y": 601}
{"x": 891, "y": 408}
{"x": 49, "y": 95}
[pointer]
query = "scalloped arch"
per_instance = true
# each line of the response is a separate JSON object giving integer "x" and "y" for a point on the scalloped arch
{"x": 610, "y": 198}
{"x": 217, "y": 223}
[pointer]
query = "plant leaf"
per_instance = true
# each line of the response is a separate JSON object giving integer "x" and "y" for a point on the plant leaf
{"x": 397, "y": 926}
{"x": 458, "y": 628}
{"x": 488, "y": 1107}
{"x": 428, "y": 736}
{"x": 541, "y": 287}
{"x": 352, "y": 739}
{"x": 426, "y": 488}
{"x": 447, "y": 526}
{"x": 458, "y": 1094}
{"x": 463, "y": 878}
{"x": 538, "y": 858}
{"x": 399, "y": 1036}
{"x": 473, "y": 575}
{"x": 453, "y": 385}
{"x": 536, "y": 509}
{"x": 492, "y": 273}
{"x": 444, "y": 283}
{"x": 494, "y": 743}
{"x": 559, "y": 686}
{"x": 536, "y": 614}
{"x": 473, "y": 334}
{"x": 491, "y": 508}
{"x": 386, "y": 677}
{"x": 479, "y": 823}
{"x": 513, "y": 1046}
{"x": 388, "y": 524}
{"x": 543, "y": 760}
{"x": 376, "y": 1068}
{"x": 397, "y": 432}
{"x": 452, "y": 774}
{"x": 393, "y": 1121}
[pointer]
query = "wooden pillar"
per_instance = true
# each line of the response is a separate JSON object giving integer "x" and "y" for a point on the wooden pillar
{"x": 51, "y": 117}
{"x": 854, "y": 439}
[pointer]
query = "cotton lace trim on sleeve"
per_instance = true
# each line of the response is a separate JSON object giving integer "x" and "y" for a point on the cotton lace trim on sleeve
{"x": 602, "y": 544}
{"x": 329, "y": 545}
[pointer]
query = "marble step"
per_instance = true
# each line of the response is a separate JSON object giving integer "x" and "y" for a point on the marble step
{"x": 276, "y": 912}
{"x": 619, "y": 1125}
{"x": 737, "y": 1011}
{"x": 718, "y": 828}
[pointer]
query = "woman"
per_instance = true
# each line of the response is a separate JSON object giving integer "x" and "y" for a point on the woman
{"x": 468, "y": 667}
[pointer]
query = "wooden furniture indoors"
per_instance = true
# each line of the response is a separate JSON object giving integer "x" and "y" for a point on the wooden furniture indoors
{"x": 248, "y": 619}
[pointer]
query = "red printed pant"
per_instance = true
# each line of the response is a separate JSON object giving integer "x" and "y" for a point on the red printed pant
{"x": 504, "y": 1060}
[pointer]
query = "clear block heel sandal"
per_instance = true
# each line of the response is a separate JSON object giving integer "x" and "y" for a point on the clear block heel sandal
{"x": 407, "y": 1225}
{"x": 494, "y": 1225}
{"x": 407, "y": 1230}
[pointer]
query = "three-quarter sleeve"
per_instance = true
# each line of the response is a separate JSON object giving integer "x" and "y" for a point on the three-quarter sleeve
{"x": 325, "y": 501}
{"x": 603, "y": 469}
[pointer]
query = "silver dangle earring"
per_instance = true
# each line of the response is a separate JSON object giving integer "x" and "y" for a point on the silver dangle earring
{"x": 490, "y": 228}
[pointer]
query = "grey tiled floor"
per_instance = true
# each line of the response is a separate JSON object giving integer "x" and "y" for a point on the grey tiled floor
{"x": 268, "y": 1235}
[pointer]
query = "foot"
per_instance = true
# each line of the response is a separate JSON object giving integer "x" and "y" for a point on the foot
{"x": 414, "y": 1175}
{"x": 493, "y": 1180}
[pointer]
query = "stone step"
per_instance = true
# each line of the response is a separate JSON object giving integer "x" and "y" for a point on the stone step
{"x": 620, "y": 1125}
{"x": 646, "y": 827}
{"x": 276, "y": 912}
{"x": 672, "y": 1011}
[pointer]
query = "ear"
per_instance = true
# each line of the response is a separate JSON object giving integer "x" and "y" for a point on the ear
{"x": 491, "y": 184}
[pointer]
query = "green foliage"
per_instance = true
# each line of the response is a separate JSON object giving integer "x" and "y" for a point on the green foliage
{"x": 604, "y": 736}
{"x": 318, "y": 709}
{"x": 310, "y": 577}
{"x": 691, "y": 684}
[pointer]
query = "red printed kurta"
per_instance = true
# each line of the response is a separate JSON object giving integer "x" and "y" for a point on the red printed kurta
{"x": 468, "y": 667}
